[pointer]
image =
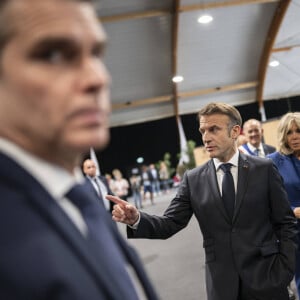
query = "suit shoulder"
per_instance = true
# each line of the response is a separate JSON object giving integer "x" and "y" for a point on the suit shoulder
{"x": 255, "y": 160}
{"x": 200, "y": 169}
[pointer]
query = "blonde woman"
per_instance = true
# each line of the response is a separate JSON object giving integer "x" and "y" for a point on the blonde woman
{"x": 287, "y": 160}
{"x": 120, "y": 185}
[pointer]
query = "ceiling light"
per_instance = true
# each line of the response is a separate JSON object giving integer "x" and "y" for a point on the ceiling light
{"x": 205, "y": 19}
{"x": 274, "y": 63}
{"x": 177, "y": 79}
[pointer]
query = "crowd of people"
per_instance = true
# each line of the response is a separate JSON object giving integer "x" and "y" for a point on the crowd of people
{"x": 144, "y": 183}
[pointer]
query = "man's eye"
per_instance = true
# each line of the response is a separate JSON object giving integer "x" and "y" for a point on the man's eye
{"x": 98, "y": 53}
{"x": 55, "y": 56}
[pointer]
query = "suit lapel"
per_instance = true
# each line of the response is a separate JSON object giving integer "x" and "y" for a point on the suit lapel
{"x": 243, "y": 172}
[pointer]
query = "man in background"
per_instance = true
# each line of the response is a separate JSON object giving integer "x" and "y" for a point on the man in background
{"x": 253, "y": 131}
{"x": 54, "y": 106}
{"x": 98, "y": 184}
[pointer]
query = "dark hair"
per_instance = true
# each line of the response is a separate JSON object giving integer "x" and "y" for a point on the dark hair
{"x": 6, "y": 24}
{"x": 223, "y": 109}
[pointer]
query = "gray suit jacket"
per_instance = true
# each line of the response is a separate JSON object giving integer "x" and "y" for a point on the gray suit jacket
{"x": 256, "y": 250}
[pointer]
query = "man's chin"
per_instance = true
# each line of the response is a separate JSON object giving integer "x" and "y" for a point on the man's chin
{"x": 212, "y": 154}
{"x": 98, "y": 142}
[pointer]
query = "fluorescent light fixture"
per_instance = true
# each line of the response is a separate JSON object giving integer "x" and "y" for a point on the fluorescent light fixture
{"x": 177, "y": 79}
{"x": 205, "y": 19}
{"x": 274, "y": 63}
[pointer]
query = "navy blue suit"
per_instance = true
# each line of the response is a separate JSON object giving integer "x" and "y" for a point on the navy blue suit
{"x": 44, "y": 256}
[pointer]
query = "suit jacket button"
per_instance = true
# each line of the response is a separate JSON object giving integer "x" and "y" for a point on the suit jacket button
{"x": 233, "y": 230}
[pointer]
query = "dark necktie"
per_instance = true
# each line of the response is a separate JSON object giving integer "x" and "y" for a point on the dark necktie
{"x": 99, "y": 191}
{"x": 228, "y": 191}
{"x": 256, "y": 152}
{"x": 98, "y": 187}
{"x": 103, "y": 240}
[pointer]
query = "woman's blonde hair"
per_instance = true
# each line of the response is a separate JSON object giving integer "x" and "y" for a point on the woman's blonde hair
{"x": 284, "y": 126}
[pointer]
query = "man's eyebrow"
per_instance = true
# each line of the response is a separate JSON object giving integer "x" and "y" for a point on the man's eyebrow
{"x": 65, "y": 42}
{"x": 55, "y": 42}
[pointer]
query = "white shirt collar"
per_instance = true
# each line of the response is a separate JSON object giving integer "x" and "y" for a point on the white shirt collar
{"x": 56, "y": 180}
{"x": 233, "y": 160}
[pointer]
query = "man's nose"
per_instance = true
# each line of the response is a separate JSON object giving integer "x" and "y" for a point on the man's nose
{"x": 94, "y": 75}
{"x": 205, "y": 136}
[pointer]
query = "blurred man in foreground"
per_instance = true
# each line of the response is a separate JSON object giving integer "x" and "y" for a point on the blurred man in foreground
{"x": 54, "y": 105}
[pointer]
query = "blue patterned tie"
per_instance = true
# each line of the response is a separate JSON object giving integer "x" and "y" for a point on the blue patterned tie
{"x": 228, "y": 191}
{"x": 256, "y": 152}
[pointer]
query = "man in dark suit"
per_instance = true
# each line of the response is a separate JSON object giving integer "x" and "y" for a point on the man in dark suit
{"x": 97, "y": 183}
{"x": 253, "y": 131}
{"x": 57, "y": 242}
{"x": 247, "y": 225}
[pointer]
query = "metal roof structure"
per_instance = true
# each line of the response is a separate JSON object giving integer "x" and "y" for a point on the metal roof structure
{"x": 227, "y": 60}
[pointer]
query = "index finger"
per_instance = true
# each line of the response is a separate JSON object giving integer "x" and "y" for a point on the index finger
{"x": 116, "y": 200}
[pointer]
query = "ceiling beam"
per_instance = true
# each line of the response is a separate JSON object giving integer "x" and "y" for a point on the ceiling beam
{"x": 183, "y": 95}
{"x": 137, "y": 15}
{"x": 223, "y": 89}
{"x": 286, "y": 48}
{"x": 142, "y": 102}
{"x": 174, "y": 65}
{"x": 174, "y": 54}
{"x": 212, "y": 5}
{"x": 269, "y": 43}
{"x": 165, "y": 12}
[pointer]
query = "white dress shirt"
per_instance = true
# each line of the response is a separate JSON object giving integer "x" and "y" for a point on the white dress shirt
{"x": 234, "y": 170}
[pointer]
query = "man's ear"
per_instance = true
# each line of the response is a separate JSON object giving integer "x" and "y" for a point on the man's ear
{"x": 235, "y": 131}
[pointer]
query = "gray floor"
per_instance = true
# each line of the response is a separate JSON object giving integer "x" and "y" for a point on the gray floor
{"x": 176, "y": 265}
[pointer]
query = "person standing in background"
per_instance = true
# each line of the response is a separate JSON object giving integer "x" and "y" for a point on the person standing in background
{"x": 98, "y": 184}
{"x": 287, "y": 160}
{"x": 253, "y": 131}
{"x": 136, "y": 186}
{"x": 164, "y": 177}
{"x": 120, "y": 185}
{"x": 147, "y": 179}
{"x": 155, "y": 181}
